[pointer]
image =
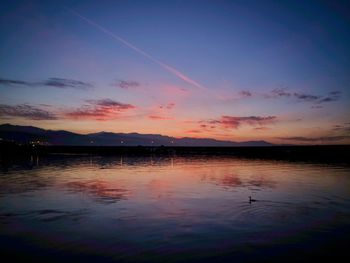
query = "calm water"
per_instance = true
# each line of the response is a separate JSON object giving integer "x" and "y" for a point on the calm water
{"x": 152, "y": 209}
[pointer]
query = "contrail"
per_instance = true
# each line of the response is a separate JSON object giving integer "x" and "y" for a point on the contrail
{"x": 172, "y": 70}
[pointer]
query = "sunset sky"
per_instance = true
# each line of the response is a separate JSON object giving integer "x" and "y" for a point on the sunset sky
{"x": 233, "y": 70}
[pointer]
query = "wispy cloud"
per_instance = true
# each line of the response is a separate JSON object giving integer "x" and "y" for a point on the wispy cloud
{"x": 234, "y": 122}
{"x": 296, "y": 96}
{"x": 67, "y": 83}
{"x": 108, "y": 103}
{"x": 193, "y": 131}
{"x": 14, "y": 82}
{"x": 157, "y": 117}
{"x": 126, "y": 84}
{"x": 276, "y": 93}
{"x": 162, "y": 112}
{"x": 167, "y": 67}
{"x": 103, "y": 109}
{"x": 25, "y": 111}
{"x": 332, "y": 96}
{"x": 344, "y": 128}
{"x": 262, "y": 128}
{"x": 245, "y": 94}
{"x": 281, "y": 92}
{"x": 51, "y": 82}
{"x": 168, "y": 106}
{"x": 315, "y": 139}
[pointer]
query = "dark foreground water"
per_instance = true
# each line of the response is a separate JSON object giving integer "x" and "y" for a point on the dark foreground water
{"x": 162, "y": 209}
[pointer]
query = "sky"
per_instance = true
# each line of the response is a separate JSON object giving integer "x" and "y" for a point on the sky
{"x": 277, "y": 71}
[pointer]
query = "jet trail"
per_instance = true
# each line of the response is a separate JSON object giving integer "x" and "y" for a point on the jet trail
{"x": 172, "y": 70}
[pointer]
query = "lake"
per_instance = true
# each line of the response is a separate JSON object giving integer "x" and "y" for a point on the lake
{"x": 173, "y": 209}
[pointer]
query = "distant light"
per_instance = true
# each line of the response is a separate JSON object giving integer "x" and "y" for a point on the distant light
{"x": 91, "y": 141}
{"x": 122, "y": 142}
{"x": 172, "y": 141}
{"x": 152, "y": 141}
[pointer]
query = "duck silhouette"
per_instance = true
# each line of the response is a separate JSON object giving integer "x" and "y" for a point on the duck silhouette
{"x": 251, "y": 200}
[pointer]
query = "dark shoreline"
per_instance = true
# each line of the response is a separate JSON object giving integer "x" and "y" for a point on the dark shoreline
{"x": 321, "y": 153}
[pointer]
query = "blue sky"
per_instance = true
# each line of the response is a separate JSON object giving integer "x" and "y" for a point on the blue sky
{"x": 237, "y": 70}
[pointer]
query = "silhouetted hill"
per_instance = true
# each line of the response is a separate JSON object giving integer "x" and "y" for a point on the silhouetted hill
{"x": 29, "y": 134}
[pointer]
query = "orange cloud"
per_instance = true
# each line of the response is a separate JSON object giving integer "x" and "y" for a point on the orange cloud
{"x": 155, "y": 117}
{"x": 193, "y": 131}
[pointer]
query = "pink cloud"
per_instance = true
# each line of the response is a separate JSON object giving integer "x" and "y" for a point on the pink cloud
{"x": 104, "y": 109}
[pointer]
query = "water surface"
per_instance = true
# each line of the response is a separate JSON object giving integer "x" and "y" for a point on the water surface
{"x": 173, "y": 209}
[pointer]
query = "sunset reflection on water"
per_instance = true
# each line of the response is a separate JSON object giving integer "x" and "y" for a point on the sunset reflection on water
{"x": 127, "y": 208}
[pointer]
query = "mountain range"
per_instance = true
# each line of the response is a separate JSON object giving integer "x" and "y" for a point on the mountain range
{"x": 30, "y": 134}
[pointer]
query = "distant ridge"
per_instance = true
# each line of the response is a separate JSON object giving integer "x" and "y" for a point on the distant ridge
{"x": 30, "y": 134}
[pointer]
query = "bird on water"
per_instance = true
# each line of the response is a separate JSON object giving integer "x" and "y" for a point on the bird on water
{"x": 251, "y": 200}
